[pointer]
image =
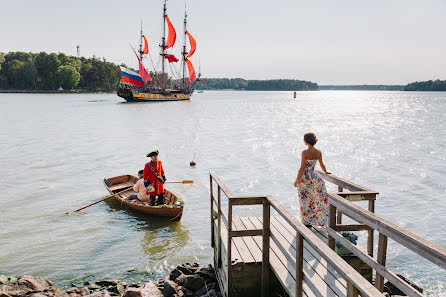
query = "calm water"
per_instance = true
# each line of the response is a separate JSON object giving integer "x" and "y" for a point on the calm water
{"x": 56, "y": 149}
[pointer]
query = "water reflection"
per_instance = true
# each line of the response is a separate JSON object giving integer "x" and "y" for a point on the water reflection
{"x": 162, "y": 237}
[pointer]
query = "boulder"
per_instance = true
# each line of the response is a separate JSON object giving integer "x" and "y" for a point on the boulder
{"x": 94, "y": 287}
{"x": 192, "y": 282}
{"x": 185, "y": 292}
{"x": 27, "y": 284}
{"x": 103, "y": 293}
{"x": 169, "y": 288}
{"x": 107, "y": 283}
{"x": 3, "y": 279}
{"x": 78, "y": 291}
{"x": 393, "y": 290}
{"x": 149, "y": 290}
{"x": 174, "y": 274}
{"x": 211, "y": 293}
{"x": 207, "y": 272}
{"x": 40, "y": 295}
{"x": 60, "y": 293}
{"x": 207, "y": 287}
{"x": 3, "y": 294}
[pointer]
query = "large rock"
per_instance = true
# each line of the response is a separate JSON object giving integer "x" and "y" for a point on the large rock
{"x": 393, "y": 290}
{"x": 207, "y": 272}
{"x": 149, "y": 290}
{"x": 103, "y": 293}
{"x": 192, "y": 282}
{"x": 169, "y": 288}
{"x": 174, "y": 274}
{"x": 3, "y": 279}
{"x": 28, "y": 284}
{"x": 209, "y": 286}
{"x": 3, "y": 294}
{"x": 107, "y": 283}
{"x": 78, "y": 291}
{"x": 211, "y": 293}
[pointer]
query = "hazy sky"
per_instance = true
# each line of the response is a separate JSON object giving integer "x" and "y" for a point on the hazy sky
{"x": 325, "y": 41}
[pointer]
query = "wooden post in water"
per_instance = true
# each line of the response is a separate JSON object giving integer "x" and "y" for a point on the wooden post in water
{"x": 339, "y": 215}
{"x": 299, "y": 263}
{"x": 219, "y": 228}
{"x": 294, "y": 94}
{"x": 332, "y": 224}
{"x": 229, "y": 246}
{"x": 381, "y": 259}
{"x": 265, "y": 248}
{"x": 370, "y": 239}
{"x": 212, "y": 214}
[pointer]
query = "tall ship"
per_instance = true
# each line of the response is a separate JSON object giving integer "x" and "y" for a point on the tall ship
{"x": 142, "y": 87}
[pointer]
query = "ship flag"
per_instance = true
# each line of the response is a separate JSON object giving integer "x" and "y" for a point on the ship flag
{"x": 142, "y": 70}
{"x": 131, "y": 77}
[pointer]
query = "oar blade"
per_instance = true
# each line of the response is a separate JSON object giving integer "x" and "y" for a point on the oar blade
{"x": 187, "y": 182}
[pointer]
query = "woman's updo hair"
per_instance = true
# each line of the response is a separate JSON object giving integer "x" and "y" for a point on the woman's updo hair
{"x": 310, "y": 138}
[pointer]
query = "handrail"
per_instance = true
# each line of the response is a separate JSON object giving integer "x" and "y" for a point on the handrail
{"x": 341, "y": 182}
{"x": 415, "y": 243}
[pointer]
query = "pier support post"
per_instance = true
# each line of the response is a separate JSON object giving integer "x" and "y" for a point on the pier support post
{"x": 332, "y": 224}
{"x": 381, "y": 259}
{"x": 351, "y": 290}
{"x": 219, "y": 227}
{"x": 339, "y": 215}
{"x": 265, "y": 248}
{"x": 212, "y": 215}
{"x": 229, "y": 246}
{"x": 370, "y": 238}
{"x": 299, "y": 264}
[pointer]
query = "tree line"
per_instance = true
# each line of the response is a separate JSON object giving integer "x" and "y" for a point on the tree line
{"x": 430, "y": 85}
{"x": 255, "y": 85}
{"x": 43, "y": 71}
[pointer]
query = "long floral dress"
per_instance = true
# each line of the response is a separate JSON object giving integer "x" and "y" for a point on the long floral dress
{"x": 312, "y": 197}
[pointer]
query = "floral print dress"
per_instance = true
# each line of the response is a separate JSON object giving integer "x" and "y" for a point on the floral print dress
{"x": 312, "y": 197}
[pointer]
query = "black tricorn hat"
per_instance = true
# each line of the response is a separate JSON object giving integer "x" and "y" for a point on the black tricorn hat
{"x": 154, "y": 153}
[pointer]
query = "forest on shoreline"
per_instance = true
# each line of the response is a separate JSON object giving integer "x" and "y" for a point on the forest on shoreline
{"x": 49, "y": 72}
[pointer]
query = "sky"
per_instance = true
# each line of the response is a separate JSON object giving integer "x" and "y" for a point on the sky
{"x": 324, "y": 41}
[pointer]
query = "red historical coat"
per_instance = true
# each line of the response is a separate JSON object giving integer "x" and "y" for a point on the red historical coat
{"x": 151, "y": 177}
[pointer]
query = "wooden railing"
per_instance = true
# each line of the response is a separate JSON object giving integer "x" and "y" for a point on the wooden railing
{"x": 340, "y": 204}
{"x": 355, "y": 282}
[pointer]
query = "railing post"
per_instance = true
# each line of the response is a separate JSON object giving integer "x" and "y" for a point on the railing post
{"x": 381, "y": 259}
{"x": 351, "y": 290}
{"x": 212, "y": 214}
{"x": 370, "y": 235}
{"x": 332, "y": 224}
{"x": 265, "y": 248}
{"x": 229, "y": 246}
{"x": 219, "y": 226}
{"x": 299, "y": 263}
{"x": 339, "y": 216}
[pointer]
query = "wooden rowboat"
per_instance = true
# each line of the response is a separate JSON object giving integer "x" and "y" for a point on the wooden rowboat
{"x": 171, "y": 209}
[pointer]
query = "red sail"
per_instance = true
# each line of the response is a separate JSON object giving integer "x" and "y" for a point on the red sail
{"x": 191, "y": 70}
{"x": 172, "y": 34}
{"x": 193, "y": 45}
{"x": 171, "y": 58}
{"x": 142, "y": 70}
{"x": 146, "y": 46}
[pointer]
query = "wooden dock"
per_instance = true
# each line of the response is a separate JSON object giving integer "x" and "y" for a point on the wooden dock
{"x": 276, "y": 255}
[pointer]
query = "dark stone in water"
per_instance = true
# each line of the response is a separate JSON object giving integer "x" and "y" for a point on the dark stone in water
{"x": 174, "y": 274}
{"x": 192, "y": 282}
{"x": 78, "y": 291}
{"x": 103, "y": 293}
{"x": 211, "y": 293}
{"x": 207, "y": 287}
{"x": 393, "y": 290}
{"x": 94, "y": 287}
{"x": 207, "y": 272}
{"x": 107, "y": 283}
{"x": 86, "y": 283}
{"x": 169, "y": 288}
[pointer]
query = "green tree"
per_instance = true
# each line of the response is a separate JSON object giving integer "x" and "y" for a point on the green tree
{"x": 69, "y": 76}
{"x": 47, "y": 66}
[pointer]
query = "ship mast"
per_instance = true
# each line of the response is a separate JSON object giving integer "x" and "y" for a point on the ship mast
{"x": 184, "y": 48}
{"x": 140, "y": 44}
{"x": 163, "y": 45}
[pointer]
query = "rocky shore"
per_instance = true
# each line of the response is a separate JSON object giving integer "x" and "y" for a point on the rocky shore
{"x": 189, "y": 280}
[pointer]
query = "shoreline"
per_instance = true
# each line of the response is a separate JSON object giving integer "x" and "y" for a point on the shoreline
{"x": 185, "y": 280}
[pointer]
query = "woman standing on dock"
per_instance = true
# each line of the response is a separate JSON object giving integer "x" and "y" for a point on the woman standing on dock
{"x": 311, "y": 188}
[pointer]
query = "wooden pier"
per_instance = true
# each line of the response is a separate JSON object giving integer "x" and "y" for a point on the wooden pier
{"x": 276, "y": 255}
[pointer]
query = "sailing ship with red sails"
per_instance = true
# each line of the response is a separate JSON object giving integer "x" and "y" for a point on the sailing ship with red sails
{"x": 138, "y": 86}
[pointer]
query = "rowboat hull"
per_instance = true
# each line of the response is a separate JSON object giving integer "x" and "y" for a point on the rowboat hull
{"x": 122, "y": 182}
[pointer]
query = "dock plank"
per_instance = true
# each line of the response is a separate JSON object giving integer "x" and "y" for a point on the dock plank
{"x": 249, "y": 241}
{"x": 236, "y": 257}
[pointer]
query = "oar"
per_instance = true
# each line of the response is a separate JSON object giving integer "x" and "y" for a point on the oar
{"x": 109, "y": 196}
{"x": 181, "y": 182}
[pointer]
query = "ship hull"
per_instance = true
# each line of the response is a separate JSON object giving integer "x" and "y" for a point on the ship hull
{"x": 141, "y": 95}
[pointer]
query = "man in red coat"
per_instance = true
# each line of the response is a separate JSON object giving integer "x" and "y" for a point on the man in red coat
{"x": 154, "y": 175}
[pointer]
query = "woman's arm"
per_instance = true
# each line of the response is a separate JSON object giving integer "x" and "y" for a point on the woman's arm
{"x": 322, "y": 164}
{"x": 301, "y": 170}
